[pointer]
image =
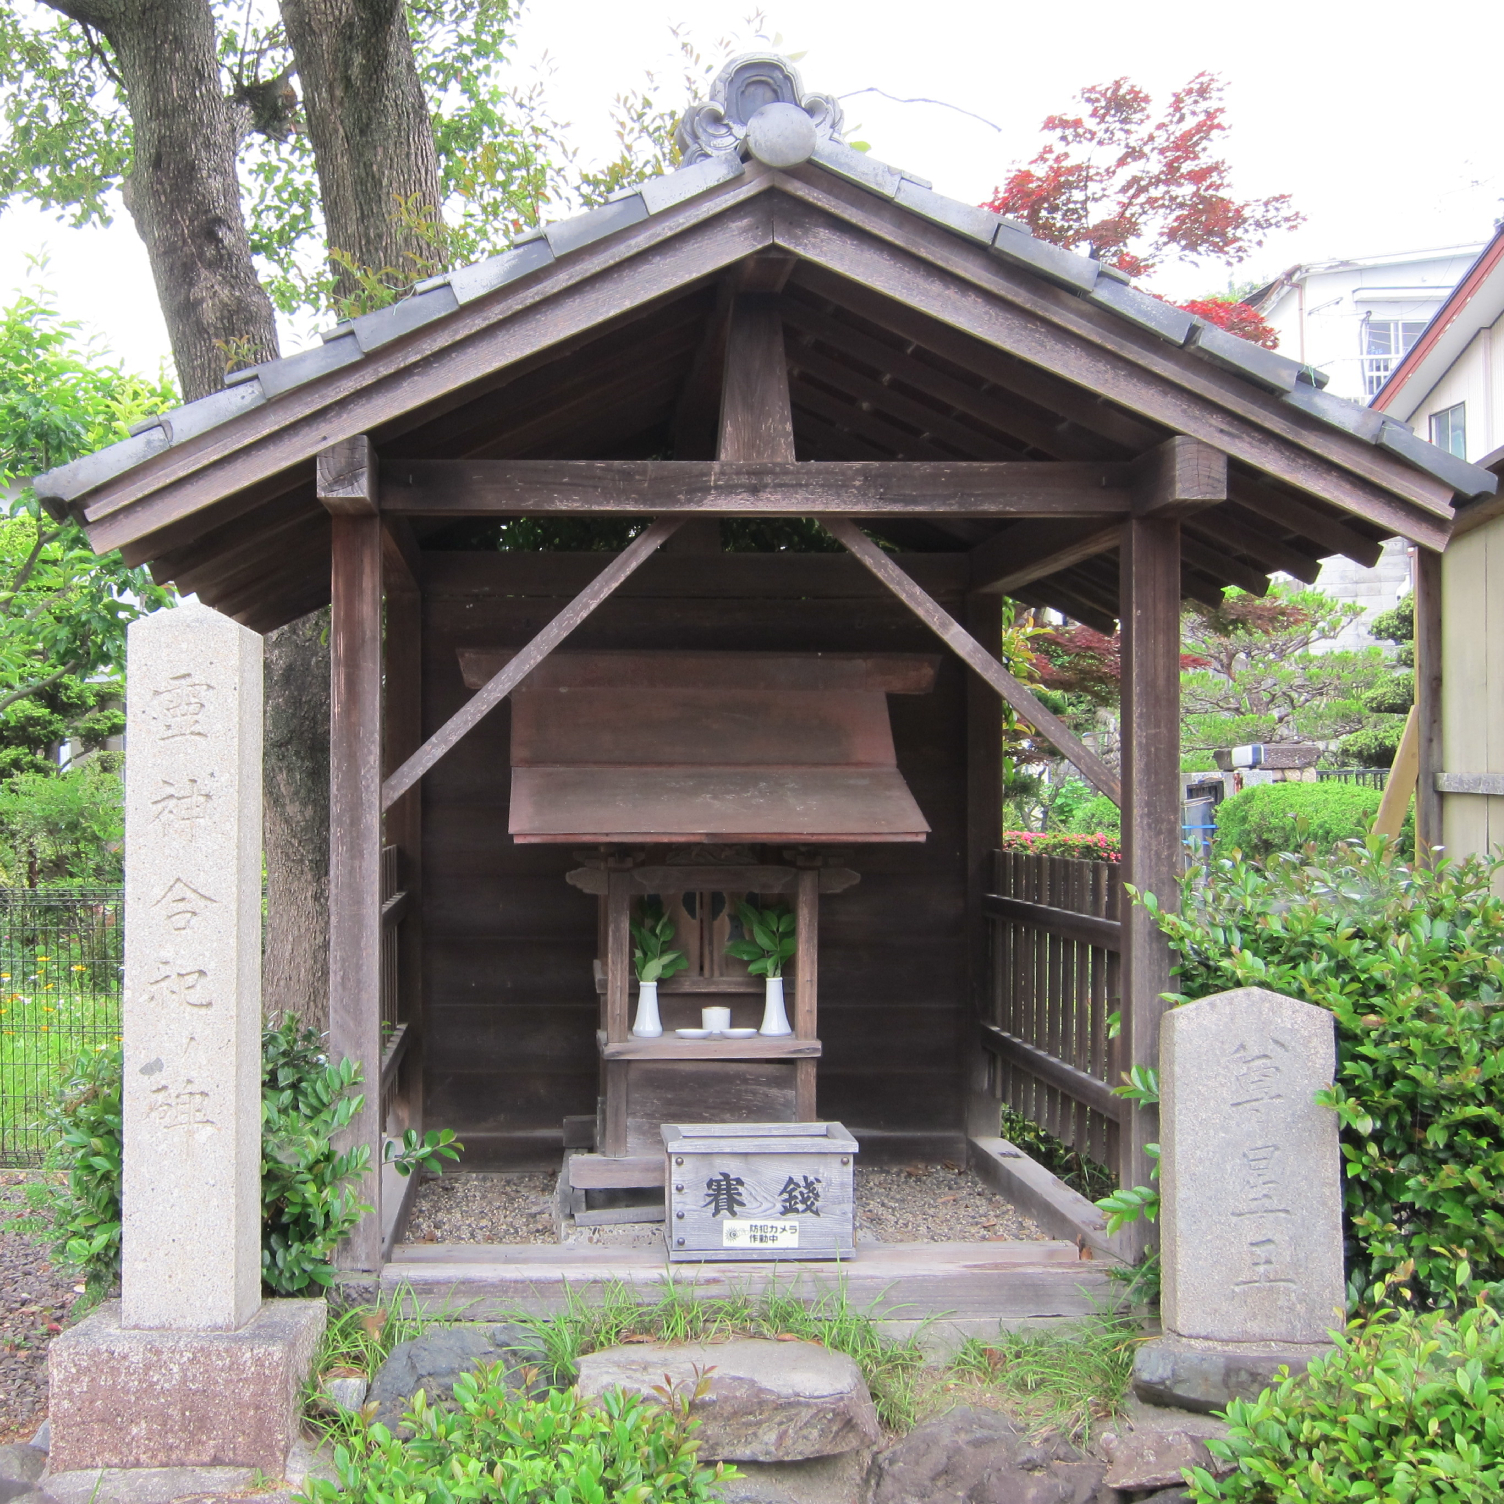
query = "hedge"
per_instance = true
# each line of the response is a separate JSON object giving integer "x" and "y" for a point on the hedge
{"x": 1261, "y": 820}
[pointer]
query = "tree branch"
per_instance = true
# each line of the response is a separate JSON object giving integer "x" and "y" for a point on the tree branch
{"x": 96, "y": 15}
{"x": 6, "y": 701}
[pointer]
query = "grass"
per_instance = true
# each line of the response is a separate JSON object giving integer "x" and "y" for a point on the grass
{"x": 359, "y": 1340}
{"x": 1054, "y": 1381}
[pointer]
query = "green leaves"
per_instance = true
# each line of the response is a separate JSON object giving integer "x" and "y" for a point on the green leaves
{"x": 1409, "y": 1409}
{"x": 651, "y": 957}
{"x": 417, "y": 1151}
{"x": 1410, "y": 962}
{"x": 307, "y": 1198}
{"x": 767, "y": 939}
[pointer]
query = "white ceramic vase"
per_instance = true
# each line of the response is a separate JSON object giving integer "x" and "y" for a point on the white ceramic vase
{"x": 774, "y": 1019}
{"x": 647, "y": 1024}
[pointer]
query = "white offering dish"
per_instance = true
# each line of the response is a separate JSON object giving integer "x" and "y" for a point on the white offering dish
{"x": 738, "y": 1033}
{"x": 715, "y": 1020}
{"x": 693, "y": 1033}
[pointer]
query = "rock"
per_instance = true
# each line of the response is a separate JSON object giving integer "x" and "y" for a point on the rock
{"x": 435, "y": 1360}
{"x": 345, "y": 1390}
{"x": 1170, "y": 1496}
{"x": 152, "y": 1485}
{"x": 768, "y": 1401}
{"x": 842, "y": 1479}
{"x": 1206, "y": 1376}
{"x": 974, "y": 1456}
{"x": 20, "y": 1469}
{"x": 1154, "y": 1459}
{"x": 43, "y": 1438}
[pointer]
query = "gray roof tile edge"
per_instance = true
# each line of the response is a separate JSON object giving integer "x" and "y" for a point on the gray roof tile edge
{"x": 1148, "y": 312}
{"x": 69, "y": 482}
{"x": 1338, "y": 412}
{"x": 1064, "y": 268}
{"x": 1277, "y": 373}
{"x": 1467, "y": 480}
{"x": 670, "y": 189}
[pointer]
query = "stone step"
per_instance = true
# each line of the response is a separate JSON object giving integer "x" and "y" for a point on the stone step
{"x": 1014, "y": 1283}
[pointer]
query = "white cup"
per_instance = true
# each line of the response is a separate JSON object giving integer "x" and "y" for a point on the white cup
{"x": 716, "y": 1020}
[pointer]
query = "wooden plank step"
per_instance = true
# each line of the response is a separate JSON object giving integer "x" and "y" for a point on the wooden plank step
{"x": 1006, "y": 1282}
{"x": 603, "y": 1172}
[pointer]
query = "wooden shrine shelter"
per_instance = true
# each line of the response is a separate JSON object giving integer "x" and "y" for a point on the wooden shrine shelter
{"x": 524, "y": 743}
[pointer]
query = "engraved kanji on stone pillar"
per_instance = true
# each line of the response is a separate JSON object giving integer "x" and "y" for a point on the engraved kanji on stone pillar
{"x": 191, "y": 1202}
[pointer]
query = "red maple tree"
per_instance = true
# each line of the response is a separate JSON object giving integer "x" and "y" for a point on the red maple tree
{"x": 1136, "y": 188}
{"x": 1235, "y": 317}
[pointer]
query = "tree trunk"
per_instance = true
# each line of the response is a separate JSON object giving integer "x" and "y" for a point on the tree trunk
{"x": 369, "y": 125}
{"x": 295, "y": 969}
{"x": 182, "y": 191}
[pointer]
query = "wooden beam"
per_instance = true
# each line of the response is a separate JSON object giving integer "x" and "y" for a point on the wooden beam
{"x": 886, "y": 402}
{"x": 1034, "y": 428}
{"x": 1030, "y": 550}
{"x": 1301, "y": 517}
{"x": 1428, "y": 834}
{"x": 756, "y": 423}
{"x": 874, "y": 427}
{"x": 1150, "y": 595}
{"x": 760, "y": 488}
{"x": 1178, "y": 473}
{"x": 355, "y": 847}
{"x": 1217, "y": 563}
{"x": 346, "y": 477}
{"x": 975, "y": 656}
{"x": 1230, "y": 527}
{"x": 483, "y": 701}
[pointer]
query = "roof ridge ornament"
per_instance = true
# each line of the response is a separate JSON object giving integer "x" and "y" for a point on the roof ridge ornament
{"x": 764, "y": 88}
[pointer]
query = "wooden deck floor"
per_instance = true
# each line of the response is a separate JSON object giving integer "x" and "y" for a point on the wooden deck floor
{"x": 1015, "y": 1284}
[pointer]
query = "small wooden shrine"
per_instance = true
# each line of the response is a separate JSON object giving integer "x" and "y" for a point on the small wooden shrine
{"x": 835, "y": 418}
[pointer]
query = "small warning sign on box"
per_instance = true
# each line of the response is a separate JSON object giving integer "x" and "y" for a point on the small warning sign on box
{"x": 743, "y": 1233}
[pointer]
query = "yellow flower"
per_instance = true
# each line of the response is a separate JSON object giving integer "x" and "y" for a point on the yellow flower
{"x": 44, "y": 958}
{"x": 80, "y": 968}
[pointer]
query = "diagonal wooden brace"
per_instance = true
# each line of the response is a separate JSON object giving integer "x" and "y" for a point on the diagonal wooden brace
{"x": 486, "y": 699}
{"x": 1050, "y": 726}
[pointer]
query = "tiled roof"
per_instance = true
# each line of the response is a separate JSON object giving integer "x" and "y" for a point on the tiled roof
{"x": 716, "y": 139}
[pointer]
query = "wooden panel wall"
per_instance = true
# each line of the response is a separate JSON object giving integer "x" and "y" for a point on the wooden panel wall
{"x": 511, "y": 1008}
{"x": 1472, "y": 685}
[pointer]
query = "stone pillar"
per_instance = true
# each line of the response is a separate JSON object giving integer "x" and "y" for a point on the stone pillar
{"x": 189, "y": 1368}
{"x": 191, "y": 1201}
{"x": 1251, "y": 1181}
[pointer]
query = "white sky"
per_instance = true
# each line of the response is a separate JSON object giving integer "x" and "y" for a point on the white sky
{"x": 1382, "y": 123}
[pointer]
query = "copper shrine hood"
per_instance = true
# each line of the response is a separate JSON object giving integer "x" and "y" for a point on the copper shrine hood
{"x": 708, "y": 746}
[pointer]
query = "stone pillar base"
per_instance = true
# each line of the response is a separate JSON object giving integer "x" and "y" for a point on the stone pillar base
{"x": 1197, "y": 1374}
{"x": 134, "y": 1399}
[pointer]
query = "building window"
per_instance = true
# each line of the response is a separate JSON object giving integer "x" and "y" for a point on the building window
{"x": 1449, "y": 430}
{"x": 1385, "y": 343}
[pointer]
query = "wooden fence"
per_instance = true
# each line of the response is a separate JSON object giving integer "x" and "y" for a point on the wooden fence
{"x": 1055, "y": 947}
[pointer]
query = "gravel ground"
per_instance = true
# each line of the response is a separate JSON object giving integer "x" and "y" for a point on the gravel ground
{"x": 935, "y": 1204}
{"x": 460, "y": 1208}
{"x": 912, "y": 1204}
{"x": 34, "y": 1307}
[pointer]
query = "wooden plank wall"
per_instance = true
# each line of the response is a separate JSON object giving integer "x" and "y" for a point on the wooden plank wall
{"x": 511, "y": 1008}
{"x": 1472, "y": 685}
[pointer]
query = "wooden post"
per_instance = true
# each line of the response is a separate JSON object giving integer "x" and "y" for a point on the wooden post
{"x": 402, "y": 734}
{"x": 806, "y": 985}
{"x": 347, "y": 473}
{"x": 1149, "y": 596}
{"x": 1428, "y": 832}
{"x": 757, "y": 421}
{"x": 984, "y": 795}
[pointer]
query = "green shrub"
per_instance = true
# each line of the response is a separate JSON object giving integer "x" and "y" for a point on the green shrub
{"x": 1091, "y": 848}
{"x": 1262, "y": 819}
{"x": 308, "y": 1200}
{"x": 558, "y": 1449}
{"x": 1097, "y": 816}
{"x": 62, "y": 828}
{"x": 1408, "y": 1409}
{"x": 1411, "y": 963}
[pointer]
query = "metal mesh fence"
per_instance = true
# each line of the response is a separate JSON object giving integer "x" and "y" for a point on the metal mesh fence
{"x": 61, "y": 952}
